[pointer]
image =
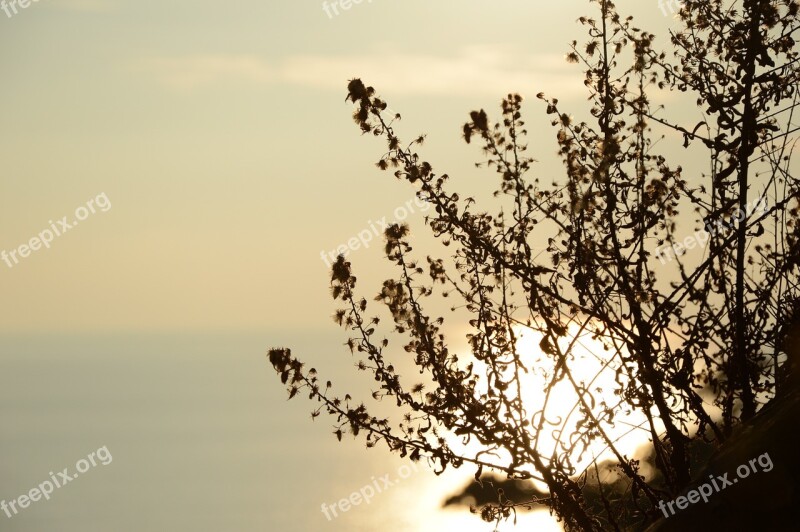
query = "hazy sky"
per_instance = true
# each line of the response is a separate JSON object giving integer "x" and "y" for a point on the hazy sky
{"x": 219, "y": 134}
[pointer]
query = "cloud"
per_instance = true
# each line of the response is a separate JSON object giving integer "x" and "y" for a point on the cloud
{"x": 490, "y": 70}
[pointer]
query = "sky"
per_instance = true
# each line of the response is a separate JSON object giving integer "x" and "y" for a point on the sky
{"x": 185, "y": 168}
{"x": 219, "y": 134}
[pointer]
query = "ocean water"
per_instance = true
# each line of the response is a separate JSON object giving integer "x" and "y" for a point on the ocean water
{"x": 200, "y": 437}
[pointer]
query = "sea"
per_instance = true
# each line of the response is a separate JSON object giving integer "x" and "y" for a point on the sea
{"x": 193, "y": 432}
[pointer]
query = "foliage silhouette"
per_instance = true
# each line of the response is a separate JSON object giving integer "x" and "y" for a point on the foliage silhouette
{"x": 695, "y": 350}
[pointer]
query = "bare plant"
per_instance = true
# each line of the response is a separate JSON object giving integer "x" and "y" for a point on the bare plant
{"x": 693, "y": 346}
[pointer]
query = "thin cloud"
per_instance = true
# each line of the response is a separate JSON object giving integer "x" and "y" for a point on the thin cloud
{"x": 474, "y": 70}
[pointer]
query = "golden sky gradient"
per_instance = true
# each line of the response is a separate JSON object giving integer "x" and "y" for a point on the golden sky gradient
{"x": 220, "y": 135}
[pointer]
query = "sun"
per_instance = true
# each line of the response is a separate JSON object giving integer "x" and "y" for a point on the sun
{"x": 593, "y": 368}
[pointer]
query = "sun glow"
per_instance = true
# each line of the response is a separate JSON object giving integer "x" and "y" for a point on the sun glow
{"x": 593, "y": 370}
{"x": 417, "y": 505}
